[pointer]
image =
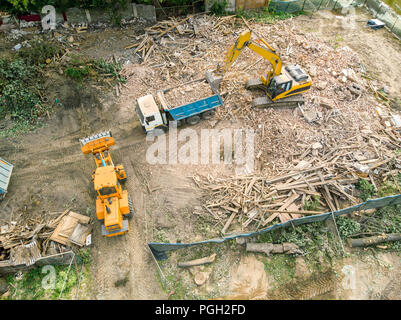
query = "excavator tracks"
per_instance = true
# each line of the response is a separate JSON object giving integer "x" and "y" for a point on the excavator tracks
{"x": 265, "y": 102}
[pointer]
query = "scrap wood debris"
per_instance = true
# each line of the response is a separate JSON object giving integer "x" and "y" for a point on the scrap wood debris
{"x": 258, "y": 201}
{"x": 309, "y": 157}
{"x": 25, "y": 240}
{"x": 339, "y": 109}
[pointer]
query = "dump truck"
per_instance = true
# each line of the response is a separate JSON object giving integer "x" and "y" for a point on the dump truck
{"x": 113, "y": 204}
{"x": 153, "y": 117}
{"x": 6, "y": 169}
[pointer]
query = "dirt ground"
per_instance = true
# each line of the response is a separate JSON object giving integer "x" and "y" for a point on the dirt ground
{"x": 50, "y": 167}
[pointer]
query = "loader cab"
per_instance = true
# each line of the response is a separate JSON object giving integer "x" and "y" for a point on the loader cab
{"x": 148, "y": 113}
{"x": 106, "y": 183}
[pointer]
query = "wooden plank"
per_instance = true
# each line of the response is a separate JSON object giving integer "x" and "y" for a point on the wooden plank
{"x": 79, "y": 234}
{"x": 293, "y": 174}
{"x": 228, "y": 223}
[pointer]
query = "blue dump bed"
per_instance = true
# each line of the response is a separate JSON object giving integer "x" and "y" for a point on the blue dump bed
{"x": 5, "y": 174}
{"x": 193, "y": 108}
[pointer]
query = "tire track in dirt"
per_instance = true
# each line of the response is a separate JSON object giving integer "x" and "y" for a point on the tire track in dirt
{"x": 127, "y": 257}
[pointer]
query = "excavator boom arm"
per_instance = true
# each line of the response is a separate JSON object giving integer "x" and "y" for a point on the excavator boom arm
{"x": 244, "y": 40}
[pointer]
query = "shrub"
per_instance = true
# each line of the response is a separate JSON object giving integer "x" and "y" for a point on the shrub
{"x": 367, "y": 189}
{"x": 39, "y": 51}
{"x": 19, "y": 91}
{"x": 219, "y": 7}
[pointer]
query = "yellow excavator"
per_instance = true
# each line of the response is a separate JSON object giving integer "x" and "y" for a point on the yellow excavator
{"x": 283, "y": 85}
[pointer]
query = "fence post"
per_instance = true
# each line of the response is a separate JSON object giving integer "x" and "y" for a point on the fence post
{"x": 319, "y": 5}
{"x": 338, "y": 233}
{"x": 303, "y": 6}
{"x": 335, "y": 5}
{"x": 287, "y": 6}
{"x": 394, "y": 24}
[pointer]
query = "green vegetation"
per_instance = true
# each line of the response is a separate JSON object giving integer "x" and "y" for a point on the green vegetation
{"x": 39, "y": 51}
{"x": 314, "y": 239}
{"x": 395, "y": 4}
{"x": 347, "y": 227}
{"x": 219, "y": 7}
{"x": 390, "y": 187}
{"x": 20, "y": 92}
{"x": 35, "y": 284}
{"x": 366, "y": 189}
{"x": 77, "y": 73}
{"x": 21, "y": 81}
{"x": 266, "y": 15}
{"x": 281, "y": 267}
{"x": 313, "y": 204}
{"x": 80, "y": 68}
{"x": 383, "y": 220}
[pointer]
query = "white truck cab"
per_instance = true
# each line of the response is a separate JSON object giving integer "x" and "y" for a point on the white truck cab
{"x": 148, "y": 113}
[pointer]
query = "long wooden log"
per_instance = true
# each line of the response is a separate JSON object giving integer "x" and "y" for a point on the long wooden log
{"x": 197, "y": 262}
{"x": 364, "y": 242}
{"x": 269, "y": 248}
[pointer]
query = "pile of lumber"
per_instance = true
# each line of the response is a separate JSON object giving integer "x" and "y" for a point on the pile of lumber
{"x": 165, "y": 31}
{"x": 26, "y": 239}
{"x": 257, "y": 201}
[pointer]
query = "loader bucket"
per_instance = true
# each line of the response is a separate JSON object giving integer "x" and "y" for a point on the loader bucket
{"x": 97, "y": 142}
{"x": 213, "y": 80}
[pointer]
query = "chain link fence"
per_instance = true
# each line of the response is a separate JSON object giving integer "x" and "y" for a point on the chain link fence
{"x": 379, "y": 9}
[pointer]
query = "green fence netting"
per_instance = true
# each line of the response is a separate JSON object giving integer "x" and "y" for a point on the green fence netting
{"x": 160, "y": 249}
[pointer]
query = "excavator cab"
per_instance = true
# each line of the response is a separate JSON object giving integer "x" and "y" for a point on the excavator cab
{"x": 278, "y": 85}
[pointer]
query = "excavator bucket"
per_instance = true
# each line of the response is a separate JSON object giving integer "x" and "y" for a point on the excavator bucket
{"x": 213, "y": 80}
{"x": 97, "y": 142}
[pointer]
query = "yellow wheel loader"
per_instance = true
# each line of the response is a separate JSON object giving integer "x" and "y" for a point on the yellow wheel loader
{"x": 282, "y": 85}
{"x": 113, "y": 203}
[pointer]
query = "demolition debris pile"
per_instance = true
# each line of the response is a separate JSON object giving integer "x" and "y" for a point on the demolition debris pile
{"x": 25, "y": 240}
{"x": 310, "y": 157}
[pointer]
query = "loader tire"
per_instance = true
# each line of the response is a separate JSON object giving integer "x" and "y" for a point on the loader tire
{"x": 193, "y": 120}
{"x": 131, "y": 208}
{"x": 208, "y": 114}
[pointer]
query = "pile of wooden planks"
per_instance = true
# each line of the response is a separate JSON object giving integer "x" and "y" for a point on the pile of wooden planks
{"x": 27, "y": 238}
{"x": 190, "y": 26}
{"x": 257, "y": 201}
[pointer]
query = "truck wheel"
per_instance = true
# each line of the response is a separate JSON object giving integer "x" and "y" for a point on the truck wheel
{"x": 179, "y": 123}
{"x": 131, "y": 208}
{"x": 208, "y": 114}
{"x": 193, "y": 120}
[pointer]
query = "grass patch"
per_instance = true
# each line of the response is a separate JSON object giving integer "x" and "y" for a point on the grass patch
{"x": 390, "y": 187}
{"x": 366, "y": 189}
{"x": 347, "y": 227}
{"x": 313, "y": 204}
{"x": 35, "y": 284}
{"x": 314, "y": 239}
{"x": 80, "y": 68}
{"x": 20, "y": 99}
{"x": 281, "y": 267}
{"x": 40, "y": 52}
{"x": 383, "y": 220}
{"x": 265, "y": 15}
